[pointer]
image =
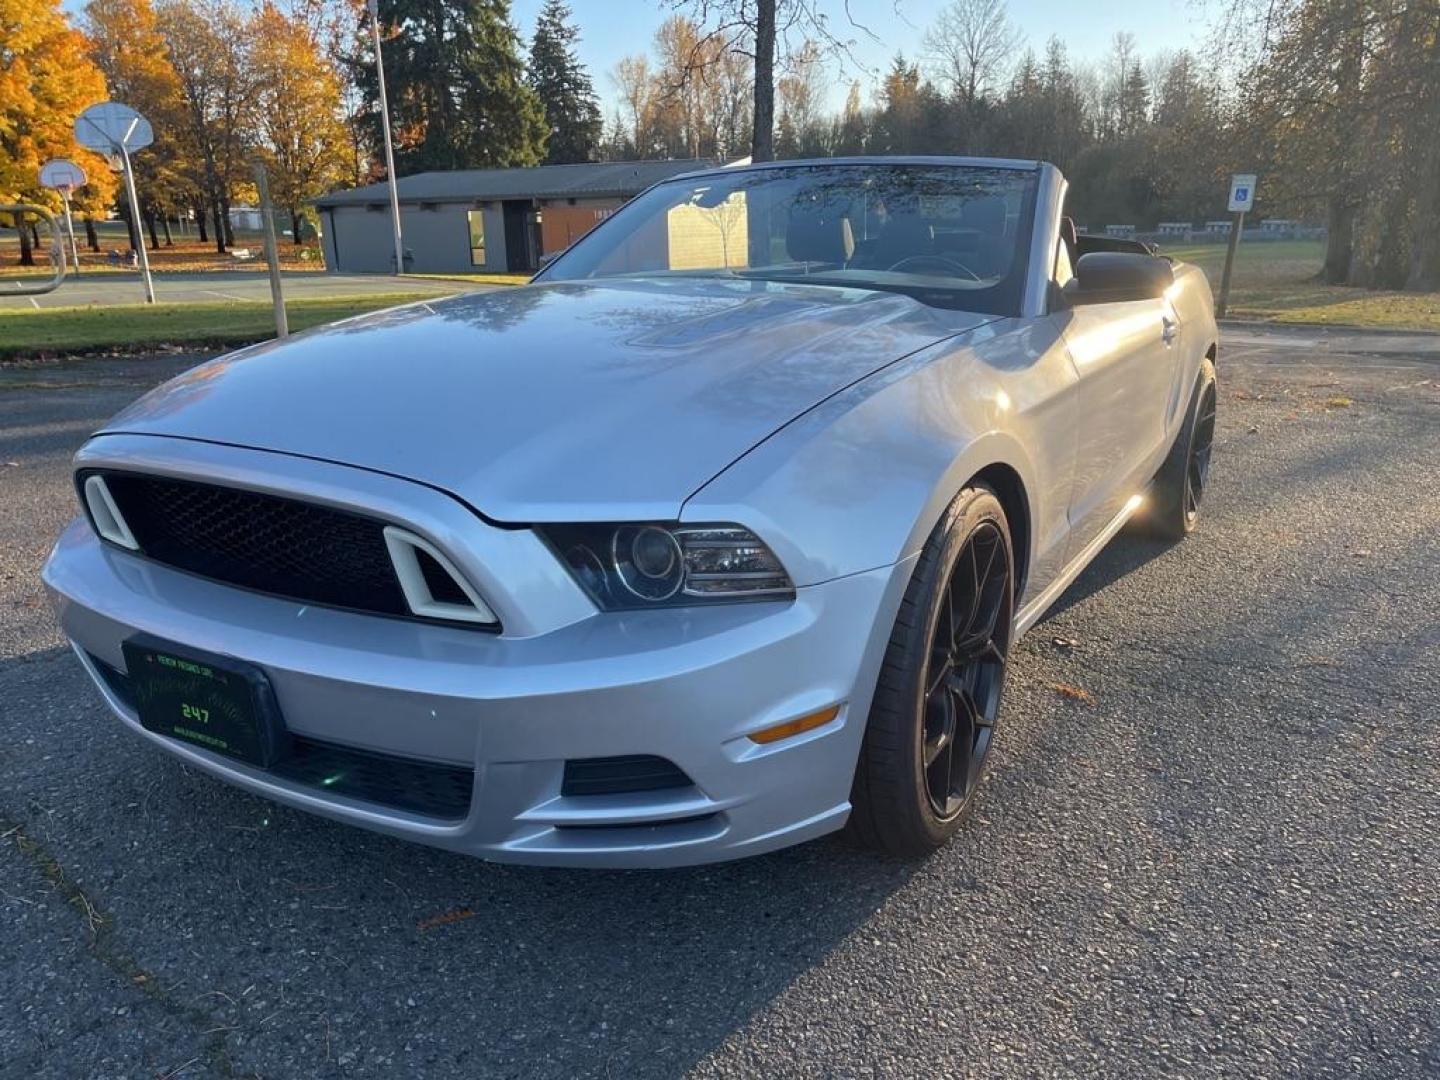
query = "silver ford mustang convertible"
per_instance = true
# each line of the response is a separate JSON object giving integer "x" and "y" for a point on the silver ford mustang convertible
{"x": 713, "y": 539}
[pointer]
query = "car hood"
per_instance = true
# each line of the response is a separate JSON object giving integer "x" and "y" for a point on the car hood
{"x": 551, "y": 402}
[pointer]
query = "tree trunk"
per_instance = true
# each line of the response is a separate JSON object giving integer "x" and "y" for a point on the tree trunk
{"x": 165, "y": 224}
{"x": 27, "y": 249}
{"x": 92, "y": 238}
{"x": 131, "y": 228}
{"x": 1339, "y": 241}
{"x": 200, "y": 229}
{"x": 1424, "y": 271}
{"x": 296, "y": 223}
{"x": 762, "y": 138}
{"x": 225, "y": 218}
{"x": 150, "y": 227}
{"x": 219, "y": 214}
{"x": 1424, "y": 275}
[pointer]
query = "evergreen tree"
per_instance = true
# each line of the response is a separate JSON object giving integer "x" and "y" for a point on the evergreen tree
{"x": 562, "y": 84}
{"x": 850, "y": 129}
{"x": 458, "y": 96}
{"x": 1134, "y": 104}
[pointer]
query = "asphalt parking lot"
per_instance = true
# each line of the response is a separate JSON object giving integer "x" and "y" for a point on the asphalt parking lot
{"x": 219, "y": 285}
{"x": 1209, "y": 847}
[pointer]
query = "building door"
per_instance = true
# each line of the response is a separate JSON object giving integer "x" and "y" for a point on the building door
{"x": 520, "y": 254}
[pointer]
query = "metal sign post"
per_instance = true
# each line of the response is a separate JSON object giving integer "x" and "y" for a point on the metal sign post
{"x": 64, "y": 176}
{"x": 272, "y": 253}
{"x": 374, "y": 6}
{"x": 1242, "y": 199}
{"x": 115, "y": 130}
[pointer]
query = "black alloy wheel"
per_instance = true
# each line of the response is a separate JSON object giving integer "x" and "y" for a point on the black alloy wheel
{"x": 1180, "y": 485}
{"x": 966, "y": 670}
{"x": 1197, "y": 470}
{"x": 932, "y": 721}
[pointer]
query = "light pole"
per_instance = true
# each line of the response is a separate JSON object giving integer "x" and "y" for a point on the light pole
{"x": 389, "y": 149}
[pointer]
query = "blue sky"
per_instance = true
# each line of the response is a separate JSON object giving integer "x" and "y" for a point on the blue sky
{"x": 612, "y": 28}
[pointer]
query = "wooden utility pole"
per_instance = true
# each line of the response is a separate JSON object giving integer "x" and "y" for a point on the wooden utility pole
{"x": 272, "y": 253}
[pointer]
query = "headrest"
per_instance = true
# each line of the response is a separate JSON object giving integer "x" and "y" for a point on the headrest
{"x": 822, "y": 235}
{"x": 909, "y": 228}
{"x": 986, "y": 213}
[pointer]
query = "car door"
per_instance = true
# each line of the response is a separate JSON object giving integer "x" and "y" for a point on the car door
{"x": 1126, "y": 357}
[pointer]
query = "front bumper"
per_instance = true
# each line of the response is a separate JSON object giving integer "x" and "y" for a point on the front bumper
{"x": 687, "y": 685}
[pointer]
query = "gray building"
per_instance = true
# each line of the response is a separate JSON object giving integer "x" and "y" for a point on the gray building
{"x": 481, "y": 220}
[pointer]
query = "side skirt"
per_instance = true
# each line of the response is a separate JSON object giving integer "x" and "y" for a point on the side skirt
{"x": 1031, "y": 613}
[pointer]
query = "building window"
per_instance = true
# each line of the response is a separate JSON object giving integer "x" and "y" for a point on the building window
{"x": 476, "y": 219}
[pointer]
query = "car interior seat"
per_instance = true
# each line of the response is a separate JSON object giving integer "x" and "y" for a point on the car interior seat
{"x": 821, "y": 235}
{"x": 986, "y": 218}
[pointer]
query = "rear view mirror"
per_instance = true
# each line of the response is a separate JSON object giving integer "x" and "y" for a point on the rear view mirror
{"x": 1112, "y": 277}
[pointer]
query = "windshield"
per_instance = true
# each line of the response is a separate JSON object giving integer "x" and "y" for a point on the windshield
{"x": 948, "y": 235}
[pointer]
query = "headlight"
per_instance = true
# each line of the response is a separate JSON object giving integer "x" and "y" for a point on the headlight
{"x": 666, "y": 565}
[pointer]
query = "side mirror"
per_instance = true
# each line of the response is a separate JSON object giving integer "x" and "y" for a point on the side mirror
{"x": 1112, "y": 277}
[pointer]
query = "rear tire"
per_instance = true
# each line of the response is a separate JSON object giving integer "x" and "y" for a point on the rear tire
{"x": 932, "y": 721}
{"x": 1180, "y": 484}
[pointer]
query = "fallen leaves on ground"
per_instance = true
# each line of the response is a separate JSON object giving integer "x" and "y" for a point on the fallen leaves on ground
{"x": 1074, "y": 693}
{"x": 446, "y": 918}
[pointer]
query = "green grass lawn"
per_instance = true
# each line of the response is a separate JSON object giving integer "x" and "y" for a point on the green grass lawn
{"x": 1275, "y": 282}
{"x": 488, "y": 279}
{"x": 48, "y": 331}
{"x": 1272, "y": 282}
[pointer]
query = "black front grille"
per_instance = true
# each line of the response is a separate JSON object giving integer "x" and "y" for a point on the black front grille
{"x": 621, "y": 775}
{"x": 263, "y": 542}
{"x": 418, "y": 787}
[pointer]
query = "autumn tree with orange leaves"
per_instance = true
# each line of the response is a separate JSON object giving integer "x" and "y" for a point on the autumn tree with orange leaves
{"x": 46, "y": 80}
{"x": 299, "y": 131}
{"x": 126, "y": 45}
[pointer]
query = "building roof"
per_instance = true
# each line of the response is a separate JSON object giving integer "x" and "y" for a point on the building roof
{"x": 598, "y": 179}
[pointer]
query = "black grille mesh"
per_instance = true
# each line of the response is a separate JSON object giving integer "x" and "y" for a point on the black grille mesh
{"x": 621, "y": 775}
{"x": 262, "y": 542}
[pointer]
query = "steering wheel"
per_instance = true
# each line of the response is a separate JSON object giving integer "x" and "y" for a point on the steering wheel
{"x": 945, "y": 262}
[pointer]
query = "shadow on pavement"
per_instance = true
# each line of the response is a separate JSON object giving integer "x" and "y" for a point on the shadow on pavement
{"x": 312, "y": 942}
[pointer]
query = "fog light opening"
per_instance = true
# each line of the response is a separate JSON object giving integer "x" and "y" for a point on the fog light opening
{"x": 795, "y": 727}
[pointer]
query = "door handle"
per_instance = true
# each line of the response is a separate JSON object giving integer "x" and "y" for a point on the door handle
{"x": 1169, "y": 328}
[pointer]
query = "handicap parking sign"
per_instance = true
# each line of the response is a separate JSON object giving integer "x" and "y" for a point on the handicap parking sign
{"x": 1242, "y": 192}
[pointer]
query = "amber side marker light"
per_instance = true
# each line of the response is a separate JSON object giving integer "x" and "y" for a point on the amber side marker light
{"x": 795, "y": 727}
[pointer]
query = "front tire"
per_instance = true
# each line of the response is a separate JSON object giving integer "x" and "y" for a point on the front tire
{"x": 932, "y": 721}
